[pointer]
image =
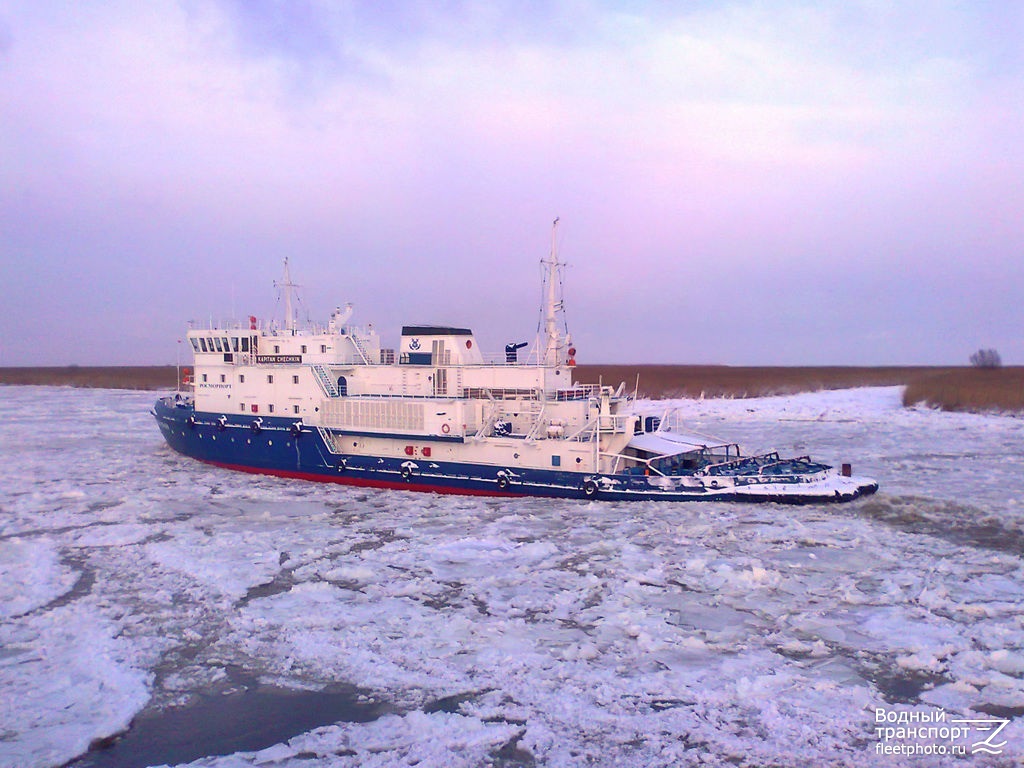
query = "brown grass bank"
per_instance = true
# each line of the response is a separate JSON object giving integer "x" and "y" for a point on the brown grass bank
{"x": 970, "y": 389}
{"x": 110, "y": 377}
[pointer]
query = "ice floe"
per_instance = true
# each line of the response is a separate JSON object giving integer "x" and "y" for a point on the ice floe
{"x": 531, "y": 632}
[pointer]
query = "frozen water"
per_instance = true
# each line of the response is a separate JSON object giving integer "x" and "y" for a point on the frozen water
{"x": 531, "y": 632}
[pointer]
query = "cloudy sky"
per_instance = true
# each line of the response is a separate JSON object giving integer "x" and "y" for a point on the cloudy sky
{"x": 738, "y": 182}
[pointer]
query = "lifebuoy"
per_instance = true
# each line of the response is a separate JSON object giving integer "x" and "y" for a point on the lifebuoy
{"x": 445, "y": 428}
{"x": 589, "y": 487}
{"x": 503, "y": 482}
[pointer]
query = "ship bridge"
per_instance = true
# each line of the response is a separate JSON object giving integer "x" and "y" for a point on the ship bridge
{"x": 439, "y": 345}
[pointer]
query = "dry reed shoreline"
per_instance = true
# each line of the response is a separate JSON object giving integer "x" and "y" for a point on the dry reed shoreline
{"x": 970, "y": 389}
{"x": 950, "y": 388}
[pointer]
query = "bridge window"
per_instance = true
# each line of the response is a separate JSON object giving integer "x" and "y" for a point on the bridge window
{"x": 195, "y": 343}
{"x": 245, "y": 343}
{"x": 202, "y": 343}
{"x": 216, "y": 341}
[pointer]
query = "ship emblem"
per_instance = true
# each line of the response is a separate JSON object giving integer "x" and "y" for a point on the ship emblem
{"x": 414, "y": 344}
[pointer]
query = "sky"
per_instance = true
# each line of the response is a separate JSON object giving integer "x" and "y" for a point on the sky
{"x": 744, "y": 183}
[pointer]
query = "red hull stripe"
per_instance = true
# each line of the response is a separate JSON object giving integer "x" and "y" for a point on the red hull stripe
{"x": 360, "y": 482}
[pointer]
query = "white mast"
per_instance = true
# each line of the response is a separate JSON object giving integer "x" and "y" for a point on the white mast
{"x": 287, "y": 284}
{"x": 553, "y": 304}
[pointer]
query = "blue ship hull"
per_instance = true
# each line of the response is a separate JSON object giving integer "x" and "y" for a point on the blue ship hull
{"x": 281, "y": 447}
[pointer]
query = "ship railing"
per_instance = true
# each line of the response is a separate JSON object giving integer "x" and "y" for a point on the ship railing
{"x": 675, "y": 464}
{"x": 538, "y": 418}
{"x": 742, "y": 464}
{"x": 325, "y": 380}
{"x": 616, "y": 423}
{"x": 653, "y": 465}
{"x": 620, "y": 458}
{"x": 584, "y": 434}
{"x": 501, "y": 393}
{"x": 517, "y": 394}
{"x": 328, "y": 439}
{"x": 493, "y": 412}
{"x": 360, "y": 348}
{"x": 605, "y": 424}
{"x": 672, "y": 421}
{"x": 232, "y": 324}
{"x": 533, "y": 409}
{"x": 399, "y": 395}
{"x": 577, "y": 392}
{"x": 800, "y": 465}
